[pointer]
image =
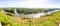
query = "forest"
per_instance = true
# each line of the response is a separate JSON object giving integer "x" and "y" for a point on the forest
{"x": 27, "y": 10}
{"x": 24, "y": 10}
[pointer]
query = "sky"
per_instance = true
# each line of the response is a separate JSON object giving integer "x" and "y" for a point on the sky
{"x": 30, "y": 3}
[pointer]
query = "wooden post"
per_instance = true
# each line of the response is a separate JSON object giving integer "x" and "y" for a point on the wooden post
{"x": 58, "y": 22}
{"x": 0, "y": 24}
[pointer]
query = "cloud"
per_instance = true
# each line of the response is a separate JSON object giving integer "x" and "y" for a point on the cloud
{"x": 29, "y": 4}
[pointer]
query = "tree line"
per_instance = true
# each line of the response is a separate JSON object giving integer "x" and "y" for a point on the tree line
{"x": 24, "y": 10}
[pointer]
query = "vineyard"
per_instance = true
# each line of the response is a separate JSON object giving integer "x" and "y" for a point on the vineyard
{"x": 48, "y": 20}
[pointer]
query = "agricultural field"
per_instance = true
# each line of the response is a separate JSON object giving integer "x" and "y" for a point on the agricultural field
{"x": 49, "y": 20}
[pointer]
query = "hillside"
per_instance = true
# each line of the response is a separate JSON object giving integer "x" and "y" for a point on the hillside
{"x": 48, "y": 20}
{"x": 6, "y": 20}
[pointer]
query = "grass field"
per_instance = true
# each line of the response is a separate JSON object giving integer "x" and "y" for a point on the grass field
{"x": 49, "y": 20}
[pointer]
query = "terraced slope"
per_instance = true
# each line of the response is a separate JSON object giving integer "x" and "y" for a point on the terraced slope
{"x": 49, "y": 20}
{"x": 6, "y": 20}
